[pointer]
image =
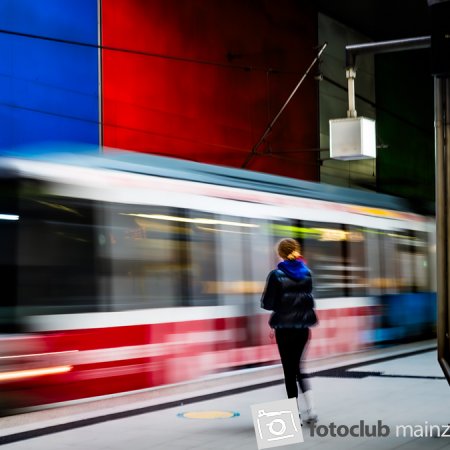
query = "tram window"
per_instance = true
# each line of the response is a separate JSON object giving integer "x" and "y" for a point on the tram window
{"x": 411, "y": 254}
{"x": 55, "y": 254}
{"x": 146, "y": 247}
{"x": 356, "y": 261}
{"x": 261, "y": 258}
{"x": 324, "y": 249}
{"x": 230, "y": 262}
{"x": 395, "y": 263}
{"x": 202, "y": 259}
{"x": 376, "y": 262}
{"x": 402, "y": 262}
{"x": 421, "y": 266}
{"x": 241, "y": 257}
{"x": 390, "y": 281}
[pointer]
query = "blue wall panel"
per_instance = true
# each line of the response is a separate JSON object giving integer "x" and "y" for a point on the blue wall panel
{"x": 48, "y": 89}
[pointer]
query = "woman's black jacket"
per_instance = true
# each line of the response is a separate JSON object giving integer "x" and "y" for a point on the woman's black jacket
{"x": 290, "y": 300}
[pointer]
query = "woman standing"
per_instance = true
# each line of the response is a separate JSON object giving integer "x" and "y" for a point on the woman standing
{"x": 288, "y": 293}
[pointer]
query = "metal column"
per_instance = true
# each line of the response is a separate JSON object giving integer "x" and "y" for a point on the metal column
{"x": 442, "y": 139}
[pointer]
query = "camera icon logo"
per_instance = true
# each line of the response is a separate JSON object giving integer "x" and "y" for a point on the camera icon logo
{"x": 277, "y": 423}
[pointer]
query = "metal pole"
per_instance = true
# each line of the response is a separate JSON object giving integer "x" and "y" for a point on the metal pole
{"x": 444, "y": 309}
{"x": 351, "y": 51}
{"x": 442, "y": 130}
{"x": 270, "y": 126}
{"x": 350, "y": 73}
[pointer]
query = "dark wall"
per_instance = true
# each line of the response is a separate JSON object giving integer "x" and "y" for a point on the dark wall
{"x": 201, "y": 80}
{"x": 405, "y": 125}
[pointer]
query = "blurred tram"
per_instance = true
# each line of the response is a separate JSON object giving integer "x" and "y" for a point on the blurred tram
{"x": 124, "y": 271}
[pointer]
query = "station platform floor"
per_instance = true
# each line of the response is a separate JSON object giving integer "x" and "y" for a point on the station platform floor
{"x": 400, "y": 387}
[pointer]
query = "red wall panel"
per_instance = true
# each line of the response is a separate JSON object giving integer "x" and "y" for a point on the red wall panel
{"x": 201, "y": 80}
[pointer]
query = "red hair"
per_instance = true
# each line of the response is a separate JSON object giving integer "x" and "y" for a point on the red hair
{"x": 289, "y": 249}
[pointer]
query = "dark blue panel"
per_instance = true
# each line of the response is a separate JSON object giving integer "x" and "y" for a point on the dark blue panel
{"x": 48, "y": 89}
{"x": 62, "y": 19}
{"x": 26, "y": 127}
{"x": 407, "y": 316}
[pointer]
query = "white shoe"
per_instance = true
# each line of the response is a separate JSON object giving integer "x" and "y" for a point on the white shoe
{"x": 311, "y": 415}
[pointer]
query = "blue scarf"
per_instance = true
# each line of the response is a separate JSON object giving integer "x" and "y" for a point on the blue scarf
{"x": 295, "y": 269}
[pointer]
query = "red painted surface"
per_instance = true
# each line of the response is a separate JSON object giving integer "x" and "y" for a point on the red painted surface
{"x": 126, "y": 358}
{"x": 201, "y": 80}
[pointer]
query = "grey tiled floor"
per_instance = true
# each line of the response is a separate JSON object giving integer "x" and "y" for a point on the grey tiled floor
{"x": 344, "y": 401}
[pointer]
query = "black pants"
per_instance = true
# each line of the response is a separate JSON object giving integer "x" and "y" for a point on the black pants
{"x": 291, "y": 344}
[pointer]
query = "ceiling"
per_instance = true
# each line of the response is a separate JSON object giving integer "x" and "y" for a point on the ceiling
{"x": 381, "y": 19}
